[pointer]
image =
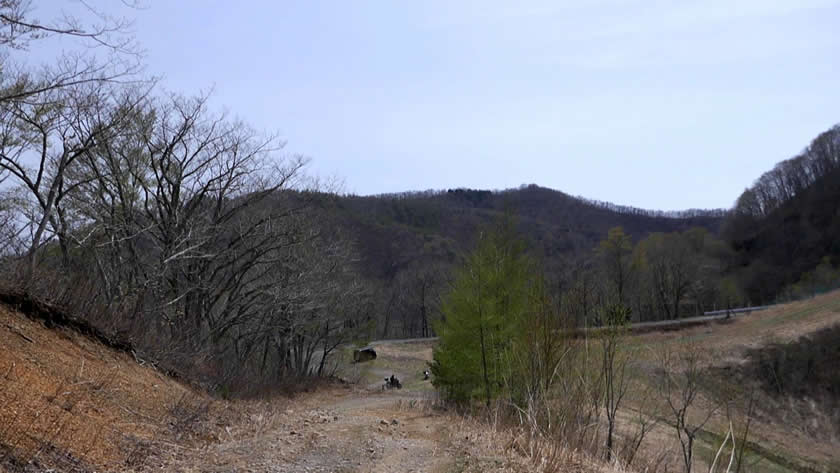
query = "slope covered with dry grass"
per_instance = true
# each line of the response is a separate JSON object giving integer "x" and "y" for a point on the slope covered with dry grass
{"x": 68, "y": 402}
{"x": 790, "y": 430}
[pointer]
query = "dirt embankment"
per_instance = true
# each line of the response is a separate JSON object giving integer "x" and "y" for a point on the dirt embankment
{"x": 70, "y": 403}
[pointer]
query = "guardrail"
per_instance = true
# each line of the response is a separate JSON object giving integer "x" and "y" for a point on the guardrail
{"x": 737, "y": 311}
{"x": 638, "y": 327}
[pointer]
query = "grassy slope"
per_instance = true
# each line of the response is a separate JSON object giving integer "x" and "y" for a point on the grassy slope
{"x": 783, "y": 432}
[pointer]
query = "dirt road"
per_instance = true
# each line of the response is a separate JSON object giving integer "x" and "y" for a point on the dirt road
{"x": 371, "y": 433}
{"x": 340, "y": 430}
{"x": 356, "y": 427}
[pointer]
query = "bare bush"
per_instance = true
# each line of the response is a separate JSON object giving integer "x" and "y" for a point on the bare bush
{"x": 614, "y": 361}
{"x": 680, "y": 384}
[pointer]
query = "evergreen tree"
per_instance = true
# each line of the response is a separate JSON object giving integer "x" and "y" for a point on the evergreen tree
{"x": 481, "y": 317}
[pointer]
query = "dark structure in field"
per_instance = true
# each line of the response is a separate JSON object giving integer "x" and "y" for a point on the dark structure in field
{"x": 364, "y": 354}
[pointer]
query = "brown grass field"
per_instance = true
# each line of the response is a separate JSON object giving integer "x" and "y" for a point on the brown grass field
{"x": 786, "y": 434}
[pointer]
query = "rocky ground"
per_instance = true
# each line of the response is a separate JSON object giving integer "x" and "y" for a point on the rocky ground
{"x": 347, "y": 429}
{"x": 353, "y": 427}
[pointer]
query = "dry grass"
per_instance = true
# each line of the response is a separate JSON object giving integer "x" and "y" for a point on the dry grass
{"x": 488, "y": 447}
{"x": 782, "y": 435}
{"x": 69, "y": 403}
{"x": 479, "y": 443}
{"x": 784, "y": 323}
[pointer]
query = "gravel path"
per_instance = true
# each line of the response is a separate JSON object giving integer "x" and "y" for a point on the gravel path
{"x": 370, "y": 433}
{"x": 333, "y": 430}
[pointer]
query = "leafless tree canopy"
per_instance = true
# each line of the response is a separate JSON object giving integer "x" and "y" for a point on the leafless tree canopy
{"x": 196, "y": 238}
{"x": 105, "y": 51}
{"x": 792, "y": 176}
{"x": 196, "y": 228}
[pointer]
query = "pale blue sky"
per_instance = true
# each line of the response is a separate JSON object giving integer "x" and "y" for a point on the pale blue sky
{"x": 657, "y": 104}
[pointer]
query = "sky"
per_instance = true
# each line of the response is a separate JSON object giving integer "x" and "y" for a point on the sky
{"x": 656, "y": 104}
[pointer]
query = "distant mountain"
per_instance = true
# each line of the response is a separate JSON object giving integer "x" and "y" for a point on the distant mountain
{"x": 397, "y": 230}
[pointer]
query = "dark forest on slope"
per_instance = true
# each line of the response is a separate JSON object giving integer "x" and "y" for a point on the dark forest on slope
{"x": 396, "y": 231}
{"x": 785, "y": 229}
{"x": 408, "y": 244}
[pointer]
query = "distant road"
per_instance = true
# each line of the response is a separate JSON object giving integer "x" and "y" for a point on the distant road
{"x": 738, "y": 311}
{"x": 401, "y": 340}
{"x": 636, "y": 327}
{"x": 688, "y": 321}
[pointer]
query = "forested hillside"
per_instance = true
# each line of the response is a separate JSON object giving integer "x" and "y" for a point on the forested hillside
{"x": 396, "y": 230}
{"x": 785, "y": 229}
{"x": 407, "y": 244}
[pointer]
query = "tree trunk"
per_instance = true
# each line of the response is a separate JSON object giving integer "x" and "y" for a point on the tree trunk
{"x": 483, "y": 347}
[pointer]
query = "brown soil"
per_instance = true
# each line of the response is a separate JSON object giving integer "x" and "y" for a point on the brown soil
{"x": 70, "y": 403}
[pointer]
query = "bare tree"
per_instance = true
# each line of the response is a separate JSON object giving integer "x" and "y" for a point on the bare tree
{"x": 11, "y": 228}
{"x": 582, "y": 294}
{"x": 313, "y": 304}
{"x": 614, "y": 361}
{"x": 615, "y": 254}
{"x": 41, "y": 142}
{"x": 216, "y": 240}
{"x": 180, "y": 185}
{"x": 54, "y": 112}
{"x": 673, "y": 264}
{"x": 417, "y": 297}
{"x": 107, "y": 50}
{"x": 216, "y": 235}
{"x": 679, "y": 386}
